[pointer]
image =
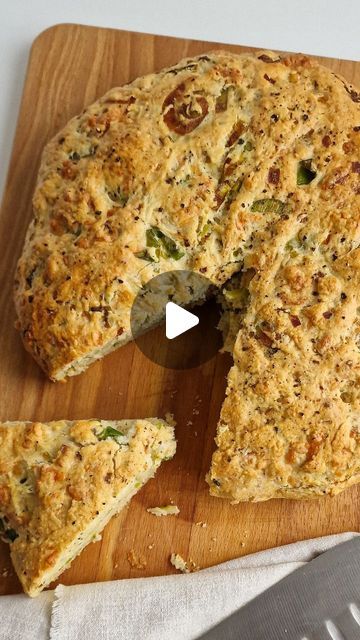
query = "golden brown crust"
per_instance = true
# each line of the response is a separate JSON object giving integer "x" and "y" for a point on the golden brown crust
{"x": 289, "y": 426}
{"x": 244, "y": 162}
{"x": 61, "y": 481}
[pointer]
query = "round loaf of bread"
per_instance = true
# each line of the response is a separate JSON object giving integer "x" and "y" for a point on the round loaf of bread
{"x": 245, "y": 168}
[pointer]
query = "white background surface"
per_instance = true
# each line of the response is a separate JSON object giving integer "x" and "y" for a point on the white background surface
{"x": 323, "y": 27}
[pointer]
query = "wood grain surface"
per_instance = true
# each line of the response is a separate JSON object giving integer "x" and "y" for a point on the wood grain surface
{"x": 69, "y": 67}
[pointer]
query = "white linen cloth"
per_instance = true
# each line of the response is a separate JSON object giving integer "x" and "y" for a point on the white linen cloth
{"x": 174, "y": 607}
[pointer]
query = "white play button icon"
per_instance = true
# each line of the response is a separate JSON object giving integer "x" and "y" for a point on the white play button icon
{"x": 178, "y": 320}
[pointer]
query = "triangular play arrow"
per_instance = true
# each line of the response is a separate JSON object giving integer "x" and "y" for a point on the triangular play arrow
{"x": 178, "y": 320}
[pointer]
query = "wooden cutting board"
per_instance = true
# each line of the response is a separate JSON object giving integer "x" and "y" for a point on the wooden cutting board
{"x": 69, "y": 67}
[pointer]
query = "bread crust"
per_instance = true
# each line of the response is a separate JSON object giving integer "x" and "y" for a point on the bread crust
{"x": 246, "y": 164}
{"x": 60, "y": 482}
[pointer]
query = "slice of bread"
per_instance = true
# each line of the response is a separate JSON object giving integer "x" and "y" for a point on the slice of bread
{"x": 61, "y": 482}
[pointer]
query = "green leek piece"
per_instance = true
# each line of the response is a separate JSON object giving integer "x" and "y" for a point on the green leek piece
{"x": 109, "y": 432}
{"x": 268, "y": 205}
{"x": 305, "y": 174}
{"x": 166, "y": 246}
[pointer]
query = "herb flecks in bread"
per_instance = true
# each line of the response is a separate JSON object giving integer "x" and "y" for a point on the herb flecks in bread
{"x": 223, "y": 165}
{"x": 61, "y": 482}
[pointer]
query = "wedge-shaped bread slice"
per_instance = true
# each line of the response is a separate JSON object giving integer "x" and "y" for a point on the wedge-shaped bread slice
{"x": 61, "y": 482}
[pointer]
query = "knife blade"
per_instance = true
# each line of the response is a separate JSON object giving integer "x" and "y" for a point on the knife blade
{"x": 320, "y": 601}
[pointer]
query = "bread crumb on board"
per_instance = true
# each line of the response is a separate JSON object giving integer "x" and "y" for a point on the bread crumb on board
{"x": 168, "y": 510}
{"x": 97, "y": 538}
{"x": 201, "y": 524}
{"x": 182, "y": 565}
{"x": 169, "y": 417}
{"x": 136, "y": 561}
